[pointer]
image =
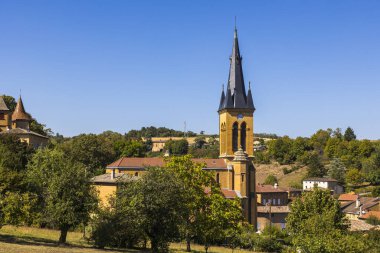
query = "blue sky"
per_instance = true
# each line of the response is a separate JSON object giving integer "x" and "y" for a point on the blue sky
{"x": 90, "y": 66}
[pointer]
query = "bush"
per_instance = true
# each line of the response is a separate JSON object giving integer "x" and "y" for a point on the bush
{"x": 373, "y": 220}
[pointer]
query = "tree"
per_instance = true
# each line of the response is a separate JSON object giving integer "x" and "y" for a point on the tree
{"x": 336, "y": 170}
{"x": 218, "y": 219}
{"x": 271, "y": 179}
{"x": 133, "y": 148}
{"x": 371, "y": 168}
{"x": 94, "y": 152}
{"x": 316, "y": 224}
{"x": 315, "y": 166}
{"x": 349, "y": 134}
{"x": 10, "y": 102}
{"x": 179, "y": 147}
{"x": 156, "y": 199}
{"x": 67, "y": 197}
{"x": 354, "y": 177}
{"x": 193, "y": 179}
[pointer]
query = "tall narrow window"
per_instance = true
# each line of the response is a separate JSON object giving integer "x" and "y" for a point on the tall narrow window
{"x": 235, "y": 133}
{"x": 217, "y": 178}
{"x": 243, "y": 135}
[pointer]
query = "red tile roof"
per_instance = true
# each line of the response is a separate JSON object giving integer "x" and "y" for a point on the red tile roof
{"x": 348, "y": 197}
{"x": 141, "y": 162}
{"x": 229, "y": 194}
{"x": 371, "y": 213}
{"x": 262, "y": 188}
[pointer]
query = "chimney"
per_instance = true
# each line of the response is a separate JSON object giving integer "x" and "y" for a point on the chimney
{"x": 275, "y": 185}
{"x": 360, "y": 211}
{"x": 357, "y": 203}
{"x": 113, "y": 174}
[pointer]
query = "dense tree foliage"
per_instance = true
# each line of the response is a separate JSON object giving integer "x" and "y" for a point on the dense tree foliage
{"x": 66, "y": 196}
{"x": 316, "y": 224}
{"x": 146, "y": 132}
{"x": 328, "y": 153}
{"x": 180, "y": 147}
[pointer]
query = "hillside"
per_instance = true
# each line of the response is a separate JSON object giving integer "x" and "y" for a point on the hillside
{"x": 263, "y": 170}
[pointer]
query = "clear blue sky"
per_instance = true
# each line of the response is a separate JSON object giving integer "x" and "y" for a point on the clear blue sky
{"x": 91, "y": 66}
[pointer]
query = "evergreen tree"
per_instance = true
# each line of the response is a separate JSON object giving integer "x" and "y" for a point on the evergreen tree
{"x": 349, "y": 134}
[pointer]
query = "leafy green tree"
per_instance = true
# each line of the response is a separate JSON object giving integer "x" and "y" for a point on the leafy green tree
{"x": 271, "y": 179}
{"x": 315, "y": 165}
{"x": 319, "y": 140}
{"x": 194, "y": 180}
{"x": 10, "y": 102}
{"x": 354, "y": 177}
{"x": 279, "y": 150}
{"x": 336, "y": 170}
{"x": 133, "y": 148}
{"x": 333, "y": 148}
{"x": 179, "y": 147}
{"x": 349, "y": 134}
{"x": 371, "y": 168}
{"x": 67, "y": 197}
{"x": 222, "y": 216}
{"x": 316, "y": 224}
{"x": 93, "y": 151}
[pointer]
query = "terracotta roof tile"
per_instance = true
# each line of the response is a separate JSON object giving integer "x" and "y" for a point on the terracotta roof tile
{"x": 262, "y": 188}
{"x": 348, "y": 197}
{"x": 371, "y": 213}
{"x": 20, "y": 113}
{"x": 140, "y": 162}
{"x": 230, "y": 194}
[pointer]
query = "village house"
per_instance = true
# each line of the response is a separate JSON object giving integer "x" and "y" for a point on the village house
{"x": 323, "y": 183}
{"x": 355, "y": 206}
{"x": 18, "y": 124}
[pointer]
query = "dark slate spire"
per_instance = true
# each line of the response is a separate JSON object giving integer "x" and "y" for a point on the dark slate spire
{"x": 250, "y": 104}
{"x": 222, "y": 97}
{"x": 236, "y": 88}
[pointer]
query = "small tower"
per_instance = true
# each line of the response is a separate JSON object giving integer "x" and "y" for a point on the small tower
{"x": 20, "y": 118}
{"x": 236, "y": 110}
{"x": 5, "y": 122}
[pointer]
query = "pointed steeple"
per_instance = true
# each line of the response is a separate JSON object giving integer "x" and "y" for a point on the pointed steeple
{"x": 236, "y": 88}
{"x": 236, "y": 79}
{"x": 250, "y": 104}
{"x": 222, "y": 97}
{"x": 20, "y": 113}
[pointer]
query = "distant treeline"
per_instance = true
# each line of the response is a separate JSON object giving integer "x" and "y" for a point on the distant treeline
{"x": 147, "y": 132}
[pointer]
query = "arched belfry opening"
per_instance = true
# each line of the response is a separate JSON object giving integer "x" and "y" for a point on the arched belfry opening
{"x": 235, "y": 136}
{"x": 243, "y": 136}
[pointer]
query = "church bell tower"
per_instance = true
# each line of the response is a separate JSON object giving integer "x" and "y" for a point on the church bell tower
{"x": 236, "y": 110}
{"x": 236, "y": 135}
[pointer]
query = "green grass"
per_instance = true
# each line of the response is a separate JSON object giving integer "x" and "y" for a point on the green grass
{"x": 36, "y": 240}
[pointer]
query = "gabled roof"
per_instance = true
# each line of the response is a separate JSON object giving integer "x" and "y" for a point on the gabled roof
{"x": 20, "y": 113}
{"x": 3, "y": 106}
{"x": 230, "y": 194}
{"x": 267, "y": 188}
{"x": 348, "y": 197}
{"x": 371, "y": 213}
{"x": 141, "y": 162}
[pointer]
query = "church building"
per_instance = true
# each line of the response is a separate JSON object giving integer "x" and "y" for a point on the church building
{"x": 234, "y": 169}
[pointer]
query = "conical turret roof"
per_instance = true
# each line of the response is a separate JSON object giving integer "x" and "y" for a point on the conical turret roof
{"x": 20, "y": 113}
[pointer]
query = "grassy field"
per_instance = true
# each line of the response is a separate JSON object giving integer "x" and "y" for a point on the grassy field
{"x": 35, "y": 240}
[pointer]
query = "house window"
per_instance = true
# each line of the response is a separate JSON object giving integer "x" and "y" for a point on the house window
{"x": 264, "y": 201}
{"x": 217, "y": 178}
{"x": 242, "y": 177}
{"x": 2, "y": 117}
{"x": 278, "y": 202}
{"x": 274, "y": 201}
{"x": 136, "y": 174}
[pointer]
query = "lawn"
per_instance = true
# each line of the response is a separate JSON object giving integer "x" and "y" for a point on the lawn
{"x": 36, "y": 240}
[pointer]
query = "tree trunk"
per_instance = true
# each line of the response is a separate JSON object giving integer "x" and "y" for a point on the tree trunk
{"x": 62, "y": 237}
{"x": 154, "y": 246}
{"x": 188, "y": 247}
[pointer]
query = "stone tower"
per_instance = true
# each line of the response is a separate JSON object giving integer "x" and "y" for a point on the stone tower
{"x": 236, "y": 134}
{"x": 20, "y": 118}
